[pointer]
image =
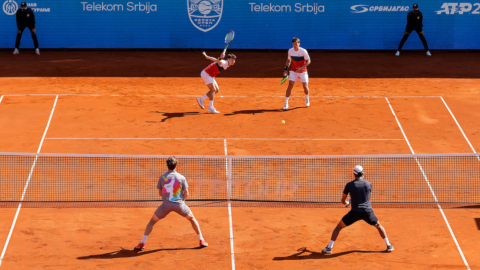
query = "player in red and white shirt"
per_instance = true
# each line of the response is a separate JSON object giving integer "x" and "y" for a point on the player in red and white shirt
{"x": 208, "y": 75}
{"x": 299, "y": 59}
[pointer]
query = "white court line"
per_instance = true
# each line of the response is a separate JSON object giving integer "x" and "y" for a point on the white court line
{"x": 458, "y": 125}
{"x": 248, "y": 139}
{"x": 227, "y": 96}
{"x": 1, "y": 99}
{"x": 431, "y": 189}
{"x": 228, "y": 162}
{"x": 26, "y": 184}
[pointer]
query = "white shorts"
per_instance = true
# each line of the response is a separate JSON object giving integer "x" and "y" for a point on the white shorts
{"x": 295, "y": 75}
{"x": 207, "y": 78}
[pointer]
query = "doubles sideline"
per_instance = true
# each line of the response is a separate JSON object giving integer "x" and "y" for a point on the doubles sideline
{"x": 26, "y": 184}
{"x": 430, "y": 186}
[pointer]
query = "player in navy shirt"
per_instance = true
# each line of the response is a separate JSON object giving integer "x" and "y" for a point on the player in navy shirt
{"x": 359, "y": 190}
{"x": 414, "y": 23}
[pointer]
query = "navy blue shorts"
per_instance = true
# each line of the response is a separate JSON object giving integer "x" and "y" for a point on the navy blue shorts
{"x": 30, "y": 27}
{"x": 366, "y": 215}
{"x": 416, "y": 29}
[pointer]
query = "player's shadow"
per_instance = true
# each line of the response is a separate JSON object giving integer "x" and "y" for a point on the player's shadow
{"x": 172, "y": 115}
{"x": 319, "y": 255}
{"x": 260, "y": 111}
{"x": 128, "y": 253}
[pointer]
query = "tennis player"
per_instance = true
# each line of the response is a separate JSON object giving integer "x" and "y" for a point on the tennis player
{"x": 299, "y": 59}
{"x": 173, "y": 188}
{"x": 359, "y": 190}
{"x": 414, "y": 23}
{"x": 208, "y": 75}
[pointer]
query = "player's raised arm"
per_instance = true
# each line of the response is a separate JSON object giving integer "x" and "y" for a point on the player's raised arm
{"x": 216, "y": 60}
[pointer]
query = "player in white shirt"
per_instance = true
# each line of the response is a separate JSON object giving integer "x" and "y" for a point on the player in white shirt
{"x": 208, "y": 76}
{"x": 299, "y": 59}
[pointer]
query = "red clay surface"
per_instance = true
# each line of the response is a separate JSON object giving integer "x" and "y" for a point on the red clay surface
{"x": 104, "y": 239}
{"x": 352, "y": 108}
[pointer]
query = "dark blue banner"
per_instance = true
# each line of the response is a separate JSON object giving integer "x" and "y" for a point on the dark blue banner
{"x": 332, "y": 24}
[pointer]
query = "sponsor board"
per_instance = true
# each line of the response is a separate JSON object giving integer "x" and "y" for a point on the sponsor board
{"x": 10, "y": 7}
{"x": 368, "y": 8}
{"x": 146, "y": 7}
{"x": 459, "y": 8}
{"x": 205, "y": 14}
{"x": 314, "y": 8}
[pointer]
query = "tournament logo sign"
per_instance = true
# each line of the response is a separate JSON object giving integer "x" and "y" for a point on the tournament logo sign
{"x": 205, "y": 14}
{"x": 10, "y": 7}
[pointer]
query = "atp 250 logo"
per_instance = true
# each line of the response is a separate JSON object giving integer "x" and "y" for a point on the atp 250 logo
{"x": 459, "y": 8}
{"x": 205, "y": 14}
{"x": 10, "y": 7}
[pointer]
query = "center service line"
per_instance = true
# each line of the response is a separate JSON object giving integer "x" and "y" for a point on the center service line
{"x": 431, "y": 189}
{"x": 26, "y": 185}
{"x": 229, "y": 179}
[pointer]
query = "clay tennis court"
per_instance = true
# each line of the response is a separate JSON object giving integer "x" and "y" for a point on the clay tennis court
{"x": 143, "y": 103}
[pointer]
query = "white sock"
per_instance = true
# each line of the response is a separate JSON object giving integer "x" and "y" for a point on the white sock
{"x": 210, "y": 104}
{"x": 386, "y": 241}
{"x": 200, "y": 236}
{"x": 203, "y": 98}
{"x": 144, "y": 239}
{"x": 331, "y": 244}
{"x": 306, "y": 96}
{"x": 286, "y": 100}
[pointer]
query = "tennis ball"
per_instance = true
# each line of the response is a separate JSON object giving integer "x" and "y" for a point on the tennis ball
{"x": 283, "y": 121}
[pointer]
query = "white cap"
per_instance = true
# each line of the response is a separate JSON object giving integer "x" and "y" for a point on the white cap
{"x": 358, "y": 170}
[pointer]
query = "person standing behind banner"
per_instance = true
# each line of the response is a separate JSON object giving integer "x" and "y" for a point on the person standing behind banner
{"x": 25, "y": 18}
{"x": 414, "y": 22}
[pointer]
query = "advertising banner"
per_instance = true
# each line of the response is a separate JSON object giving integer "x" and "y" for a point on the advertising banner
{"x": 258, "y": 24}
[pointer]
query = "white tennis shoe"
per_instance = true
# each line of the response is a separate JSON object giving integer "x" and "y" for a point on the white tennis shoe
{"x": 200, "y": 103}
{"x": 37, "y": 51}
{"x": 428, "y": 53}
{"x": 212, "y": 110}
{"x": 307, "y": 102}
{"x": 16, "y": 51}
{"x": 397, "y": 54}
{"x": 285, "y": 107}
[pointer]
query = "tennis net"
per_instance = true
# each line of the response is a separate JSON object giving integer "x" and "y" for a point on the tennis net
{"x": 67, "y": 180}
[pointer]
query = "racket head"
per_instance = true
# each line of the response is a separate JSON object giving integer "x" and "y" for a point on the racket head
{"x": 284, "y": 79}
{"x": 229, "y": 37}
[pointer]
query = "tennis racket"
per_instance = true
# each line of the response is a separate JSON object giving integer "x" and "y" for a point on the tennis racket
{"x": 228, "y": 39}
{"x": 284, "y": 79}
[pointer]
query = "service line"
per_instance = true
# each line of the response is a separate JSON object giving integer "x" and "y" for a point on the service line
{"x": 247, "y": 139}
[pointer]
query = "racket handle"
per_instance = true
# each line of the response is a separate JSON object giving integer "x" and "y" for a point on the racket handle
{"x": 224, "y": 51}
{"x": 348, "y": 203}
